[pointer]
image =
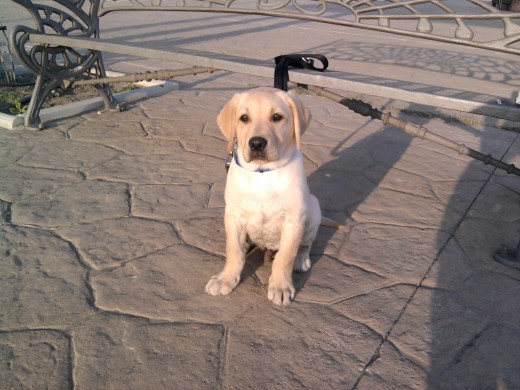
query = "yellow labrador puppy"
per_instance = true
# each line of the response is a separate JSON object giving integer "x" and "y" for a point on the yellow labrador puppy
{"x": 268, "y": 202}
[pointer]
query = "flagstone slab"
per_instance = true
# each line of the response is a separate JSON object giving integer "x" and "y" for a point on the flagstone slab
{"x": 17, "y": 182}
{"x": 338, "y": 191}
{"x": 131, "y": 113}
{"x": 169, "y": 201}
{"x": 205, "y": 99}
{"x": 456, "y": 194}
{"x": 109, "y": 244}
{"x": 100, "y": 130}
{"x": 210, "y": 146}
{"x": 125, "y": 352}
{"x": 180, "y": 168}
{"x": 84, "y": 202}
{"x": 330, "y": 280}
{"x": 170, "y": 285}
{"x": 205, "y": 230}
{"x": 43, "y": 282}
{"x": 35, "y": 359}
{"x": 340, "y": 159}
{"x": 10, "y": 155}
{"x": 329, "y": 240}
{"x": 175, "y": 130}
{"x": 337, "y": 132}
{"x": 379, "y": 308}
{"x": 11, "y": 139}
{"x": 500, "y": 303}
{"x": 429, "y": 334}
{"x": 394, "y": 370}
{"x": 480, "y": 239}
{"x": 498, "y": 203}
{"x": 216, "y": 195}
{"x": 396, "y": 208}
{"x": 332, "y": 348}
{"x": 173, "y": 107}
{"x": 477, "y": 366}
{"x": 144, "y": 146}
{"x": 451, "y": 269}
{"x": 69, "y": 155}
{"x": 401, "y": 254}
{"x": 441, "y": 167}
{"x": 432, "y": 347}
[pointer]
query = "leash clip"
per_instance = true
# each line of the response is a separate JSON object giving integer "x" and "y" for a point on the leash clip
{"x": 231, "y": 154}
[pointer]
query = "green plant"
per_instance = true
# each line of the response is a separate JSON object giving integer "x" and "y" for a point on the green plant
{"x": 18, "y": 108}
{"x": 128, "y": 88}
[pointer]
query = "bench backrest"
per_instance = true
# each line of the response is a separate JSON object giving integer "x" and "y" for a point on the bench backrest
{"x": 450, "y": 21}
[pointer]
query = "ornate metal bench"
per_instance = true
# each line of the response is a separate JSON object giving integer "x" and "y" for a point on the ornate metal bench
{"x": 66, "y": 43}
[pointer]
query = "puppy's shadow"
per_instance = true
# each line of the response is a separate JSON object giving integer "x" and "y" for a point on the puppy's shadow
{"x": 344, "y": 182}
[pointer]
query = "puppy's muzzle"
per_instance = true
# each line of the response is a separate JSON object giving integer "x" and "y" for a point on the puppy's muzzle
{"x": 257, "y": 144}
{"x": 257, "y": 148}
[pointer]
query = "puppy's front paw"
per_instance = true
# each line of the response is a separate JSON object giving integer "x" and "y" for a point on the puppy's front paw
{"x": 281, "y": 291}
{"x": 221, "y": 285}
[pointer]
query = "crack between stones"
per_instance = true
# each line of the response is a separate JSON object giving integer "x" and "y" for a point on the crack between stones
{"x": 340, "y": 300}
{"x": 123, "y": 263}
{"x": 188, "y": 150}
{"x": 211, "y": 186}
{"x": 509, "y": 188}
{"x": 423, "y": 227}
{"x": 143, "y": 129}
{"x": 5, "y": 211}
{"x": 223, "y": 349}
{"x": 70, "y": 353}
{"x": 469, "y": 344}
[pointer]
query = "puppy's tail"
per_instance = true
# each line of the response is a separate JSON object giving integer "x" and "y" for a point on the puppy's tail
{"x": 330, "y": 223}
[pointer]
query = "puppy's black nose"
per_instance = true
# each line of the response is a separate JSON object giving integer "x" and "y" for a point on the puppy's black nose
{"x": 257, "y": 144}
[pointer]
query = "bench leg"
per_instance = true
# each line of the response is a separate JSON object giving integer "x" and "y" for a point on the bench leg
{"x": 56, "y": 67}
{"x": 42, "y": 88}
{"x": 45, "y": 85}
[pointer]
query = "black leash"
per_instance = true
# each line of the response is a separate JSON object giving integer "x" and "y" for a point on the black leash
{"x": 302, "y": 61}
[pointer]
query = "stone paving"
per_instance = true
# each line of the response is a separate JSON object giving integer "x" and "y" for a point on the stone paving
{"x": 112, "y": 224}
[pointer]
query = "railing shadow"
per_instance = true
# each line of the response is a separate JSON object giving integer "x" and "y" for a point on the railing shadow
{"x": 357, "y": 167}
{"x": 466, "y": 304}
{"x": 473, "y": 311}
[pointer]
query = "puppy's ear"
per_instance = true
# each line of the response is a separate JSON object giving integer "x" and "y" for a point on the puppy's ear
{"x": 226, "y": 120}
{"x": 301, "y": 115}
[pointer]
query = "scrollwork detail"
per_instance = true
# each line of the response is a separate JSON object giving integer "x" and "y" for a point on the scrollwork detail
{"x": 266, "y": 5}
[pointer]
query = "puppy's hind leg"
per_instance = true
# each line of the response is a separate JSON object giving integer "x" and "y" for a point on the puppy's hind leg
{"x": 302, "y": 263}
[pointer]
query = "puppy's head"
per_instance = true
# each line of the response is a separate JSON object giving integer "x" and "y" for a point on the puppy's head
{"x": 267, "y": 124}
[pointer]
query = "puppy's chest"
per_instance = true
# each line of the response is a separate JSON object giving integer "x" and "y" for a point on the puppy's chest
{"x": 264, "y": 203}
{"x": 263, "y": 226}
{"x": 263, "y": 218}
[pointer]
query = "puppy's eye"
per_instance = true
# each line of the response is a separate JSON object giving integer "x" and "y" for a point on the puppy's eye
{"x": 277, "y": 117}
{"x": 244, "y": 118}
